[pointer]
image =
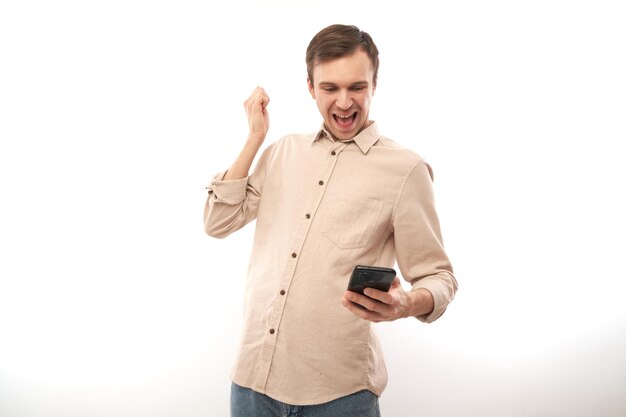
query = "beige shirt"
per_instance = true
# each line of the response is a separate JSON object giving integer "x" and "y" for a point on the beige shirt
{"x": 322, "y": 207}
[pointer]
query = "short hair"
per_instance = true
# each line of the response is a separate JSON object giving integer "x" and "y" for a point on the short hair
{"x": 336, "y": 41}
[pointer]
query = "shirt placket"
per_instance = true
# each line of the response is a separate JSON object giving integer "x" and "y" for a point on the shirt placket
{"x": 319, "y": 186}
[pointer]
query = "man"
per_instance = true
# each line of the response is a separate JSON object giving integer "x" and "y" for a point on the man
{"x": 324, "y": 203}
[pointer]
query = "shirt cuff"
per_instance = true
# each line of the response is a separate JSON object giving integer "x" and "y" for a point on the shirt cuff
{"x": 439, "y": 289}
{"x": 231, "y": 192}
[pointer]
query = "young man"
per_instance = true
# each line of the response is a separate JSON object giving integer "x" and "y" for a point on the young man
{"x": 324, "y": 203}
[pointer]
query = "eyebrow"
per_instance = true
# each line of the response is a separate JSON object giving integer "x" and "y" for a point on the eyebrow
{"x": 355, "y": 84}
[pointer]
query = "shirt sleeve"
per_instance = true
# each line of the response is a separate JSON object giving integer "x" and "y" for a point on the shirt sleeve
{"x": 419, "y": 246}
{"x": 231, "y": 204}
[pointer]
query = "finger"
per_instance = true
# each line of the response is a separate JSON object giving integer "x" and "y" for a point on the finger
{"x": 360, "y": 311}
{"x": 266, "y": 97}
{"x": 367, "y": 302}
{"x": 382, "y": 296}
{"x": 261, "y": 101}
{"x": 260, "y": 92}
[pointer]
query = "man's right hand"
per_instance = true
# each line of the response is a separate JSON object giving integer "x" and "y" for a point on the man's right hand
{"x": 259, "y": 123}
{"x": 258, "y": 117}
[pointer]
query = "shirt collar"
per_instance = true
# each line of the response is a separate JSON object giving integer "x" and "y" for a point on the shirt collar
{"x": 364, "y": 140}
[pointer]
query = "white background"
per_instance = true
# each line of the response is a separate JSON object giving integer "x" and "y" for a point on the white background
{"x": 114, "y": 116}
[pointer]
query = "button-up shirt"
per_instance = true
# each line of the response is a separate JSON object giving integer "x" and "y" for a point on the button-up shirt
{"x": 322, "y": 207}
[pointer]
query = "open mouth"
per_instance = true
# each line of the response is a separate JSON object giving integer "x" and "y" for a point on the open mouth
{"x": 345, "y": 121}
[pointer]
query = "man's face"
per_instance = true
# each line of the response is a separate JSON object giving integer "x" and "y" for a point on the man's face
{"x": 343, "y": 89}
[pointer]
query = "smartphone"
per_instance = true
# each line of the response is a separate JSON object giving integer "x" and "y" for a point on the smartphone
{"x": 371, "y": 276}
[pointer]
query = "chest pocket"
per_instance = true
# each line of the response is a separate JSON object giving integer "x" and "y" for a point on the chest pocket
{"x": 353, "y": 222}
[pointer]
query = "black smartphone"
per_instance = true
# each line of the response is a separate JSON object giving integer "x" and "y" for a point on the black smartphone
{"x": 371, "y": 276}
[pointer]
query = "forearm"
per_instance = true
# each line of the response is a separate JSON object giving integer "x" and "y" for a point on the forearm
{"x": 421, "y": 303}
{"x": 442, "y": 287}
{"x": 241, "y": 167}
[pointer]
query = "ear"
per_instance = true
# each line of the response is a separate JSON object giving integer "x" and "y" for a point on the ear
{"x": 310, "y": 85}
{"x": 373, "y": 89}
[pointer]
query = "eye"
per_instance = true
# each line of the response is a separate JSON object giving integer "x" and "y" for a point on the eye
{"x": 329, "y": 89}
{"x": 357, "y": 88}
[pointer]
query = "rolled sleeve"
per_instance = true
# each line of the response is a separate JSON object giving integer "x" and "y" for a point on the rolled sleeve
{"x": 231, "y": 204}
{"x": 442, "y": 287}
{"x": 231, "y": 192}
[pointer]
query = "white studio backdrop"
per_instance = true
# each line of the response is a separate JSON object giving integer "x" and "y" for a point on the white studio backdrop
{"x": 115, "y": 115}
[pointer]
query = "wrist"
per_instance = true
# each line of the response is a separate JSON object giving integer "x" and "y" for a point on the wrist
{"x": 255, "y": 139}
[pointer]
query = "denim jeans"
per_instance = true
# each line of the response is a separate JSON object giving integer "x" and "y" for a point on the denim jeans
{"x": 247, "y": 403}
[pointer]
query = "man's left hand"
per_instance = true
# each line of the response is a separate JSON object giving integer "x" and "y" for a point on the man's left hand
{"x": 377, "y": 306}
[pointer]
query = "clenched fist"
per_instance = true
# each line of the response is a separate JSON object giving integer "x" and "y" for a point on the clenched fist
{"x": 258, "y": 117}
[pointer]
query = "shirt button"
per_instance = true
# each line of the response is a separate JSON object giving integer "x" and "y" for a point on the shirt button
{"x": 282, "y": 292}
{"x": 321, "y": 183}
{"x": 333, "y": 153}
{"x": 293, "y": 255}
{"x": 272, "y": 331}
{"x": 308, "y": 216}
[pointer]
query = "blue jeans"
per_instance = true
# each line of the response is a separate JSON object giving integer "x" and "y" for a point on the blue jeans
{"x": 247, "y": 403}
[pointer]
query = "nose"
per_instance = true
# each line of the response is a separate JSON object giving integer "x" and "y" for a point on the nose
{"x": 344, "y": 101}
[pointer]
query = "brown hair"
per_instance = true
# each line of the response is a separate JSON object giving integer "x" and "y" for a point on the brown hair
{"x": 337, "y": 41}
